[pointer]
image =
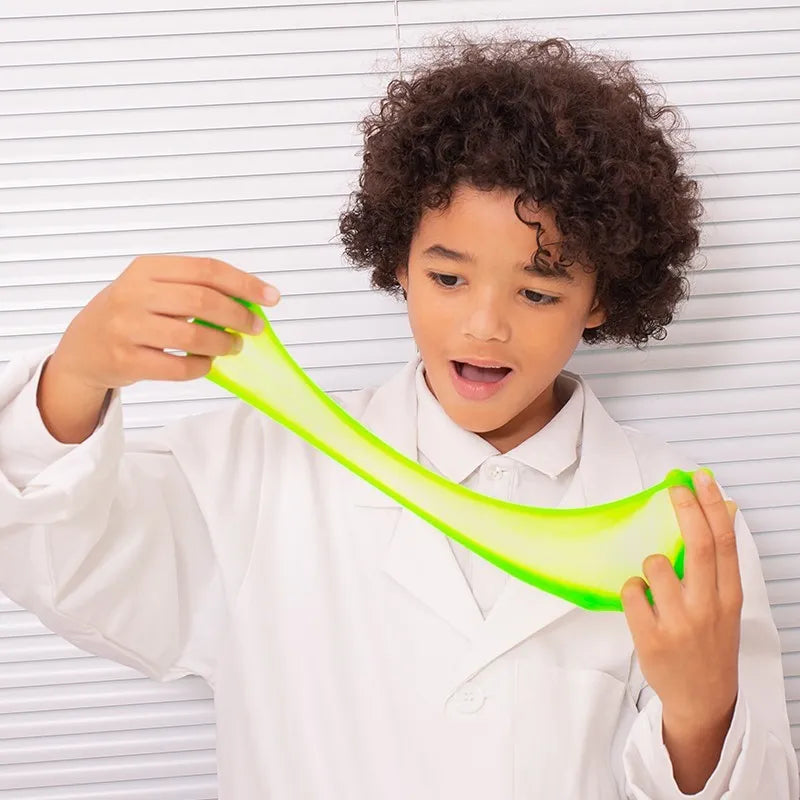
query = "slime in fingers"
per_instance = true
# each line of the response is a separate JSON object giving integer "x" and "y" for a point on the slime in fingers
{"x": 583, "y": 555}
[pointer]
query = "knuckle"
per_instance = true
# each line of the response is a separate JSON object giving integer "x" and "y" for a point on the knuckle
{"x": 704, "y": 549}
{"x": 206, "y": 268}
{"x": 726, "y": 541}
{"x": 201, "y": 301}
{"x": 193, "y": 336}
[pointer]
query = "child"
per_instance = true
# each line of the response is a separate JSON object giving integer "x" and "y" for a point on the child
{"x": 522, "y": 197}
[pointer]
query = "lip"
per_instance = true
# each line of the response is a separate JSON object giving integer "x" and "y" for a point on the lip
{"x": 483, "y": 362}
{"x": 474, "y": 390}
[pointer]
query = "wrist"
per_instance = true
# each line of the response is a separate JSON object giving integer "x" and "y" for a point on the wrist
{"x": 697, "y": 726}
{"x": 69, "y": 407}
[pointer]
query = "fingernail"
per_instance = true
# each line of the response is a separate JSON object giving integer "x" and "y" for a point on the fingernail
{"x": 238, "y": 343}
{"x": 703, "y": 478}
{"x": 258, "y": 325}
{"x": 271, "y": 294}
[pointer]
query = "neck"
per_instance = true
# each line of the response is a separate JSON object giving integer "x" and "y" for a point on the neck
{"x": 529, "y": 421}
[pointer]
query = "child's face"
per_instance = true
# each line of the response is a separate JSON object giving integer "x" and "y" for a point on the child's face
{"x": 485, "y": 306}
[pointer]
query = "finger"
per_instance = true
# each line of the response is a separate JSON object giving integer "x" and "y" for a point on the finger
{"x": 664, "y": 585}
{"x": 189, "y": 301}
{"x": 639, "y": 614}
{"x": 717, "y": 512}
{"x": 168, "y": 333}
{"x": 155, "y": 365}
{"x": 700, "y": 568}
{"x": 216, "y": 274}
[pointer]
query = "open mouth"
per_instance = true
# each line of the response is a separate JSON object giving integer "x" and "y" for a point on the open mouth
{"x": 471, "y": 372}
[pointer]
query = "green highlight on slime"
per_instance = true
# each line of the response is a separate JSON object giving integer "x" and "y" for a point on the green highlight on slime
{"x": 583, "y": 555}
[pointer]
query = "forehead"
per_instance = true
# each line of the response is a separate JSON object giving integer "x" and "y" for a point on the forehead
{"x": 481, "y": 226}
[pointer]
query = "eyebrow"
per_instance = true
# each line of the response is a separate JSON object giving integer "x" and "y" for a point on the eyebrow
{"x": 440, "y": 251}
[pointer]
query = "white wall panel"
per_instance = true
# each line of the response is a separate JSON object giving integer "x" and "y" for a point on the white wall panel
{"x": 228, "y": 129}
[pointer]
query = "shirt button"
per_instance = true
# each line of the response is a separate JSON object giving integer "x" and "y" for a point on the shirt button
{"x": 469, "y": 699}
{"x": 497, "y": 472}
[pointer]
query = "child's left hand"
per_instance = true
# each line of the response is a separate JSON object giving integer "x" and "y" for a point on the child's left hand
{"x": 688, "y": 641}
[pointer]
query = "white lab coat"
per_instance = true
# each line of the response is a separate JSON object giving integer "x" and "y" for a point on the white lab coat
{"x": 346, "y": 654}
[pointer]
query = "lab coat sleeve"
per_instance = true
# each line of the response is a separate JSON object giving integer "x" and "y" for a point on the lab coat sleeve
{"x": 757, "y": 758}
{"x": 105, "y": 541}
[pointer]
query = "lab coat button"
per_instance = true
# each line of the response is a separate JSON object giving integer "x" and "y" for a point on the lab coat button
{"x": 497, "y": 473}
{"x": 469, "y": 699}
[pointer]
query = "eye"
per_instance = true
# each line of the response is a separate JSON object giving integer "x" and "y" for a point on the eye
{"x": 450, "y": 282}
{"x": 539, "y": 299}
{"x": 442, "y": 279}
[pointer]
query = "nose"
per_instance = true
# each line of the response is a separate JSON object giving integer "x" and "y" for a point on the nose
{"x": 486, "y": 317}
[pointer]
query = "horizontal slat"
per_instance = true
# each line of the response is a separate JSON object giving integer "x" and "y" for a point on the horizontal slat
{"x": 691, "y": 404}
{"x": 214, "y": 21}
{"x": 38, "y": 648}
{"x": 317, "y": 159}
{"x": 640, "y": 46}
{"x": 58, "y": 722}
{"x": 13, "y": 9}
{"x": 101, "y": 693}
{"x": 663, "y": 72}
{"x": 786, "y": 615}
{"x": 332, "y": 110}
{"x": 791, "y": 664}
{"x": 75, "y": 746}
{"x": 63, "y": 671}
{"x": 784, "y": 592}
{"x": 748, "y": 184}
{"x": 773, "y": 519}
{"x": 703, "y": 378}
{"x": 273, "y": 89}
{"x": 113, "y": 768}
{"x": 165, "y": 71}
{"x": 310, "y": 35}
{"x": 190, "y": 787}
{"x": 738, "y": 473}
{"x": 722, "y": 425}
{"x": 632, "y": 21}
{"x": 777, "y": 543}
{"x": 17, "y": 8}
{"x": 254, "y": 91}
{"x": 781, "y": 567}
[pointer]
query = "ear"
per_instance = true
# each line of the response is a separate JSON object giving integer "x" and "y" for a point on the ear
{"x": 597, "y": 316}
{"x": 401, "y": 273}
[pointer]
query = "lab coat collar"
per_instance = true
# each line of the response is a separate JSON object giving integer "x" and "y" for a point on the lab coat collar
{"x": 420, "y": 559}
{"x": 457, "y": 453}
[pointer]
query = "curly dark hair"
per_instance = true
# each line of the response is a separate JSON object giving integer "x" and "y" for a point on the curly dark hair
{"x": 571, "y": 130}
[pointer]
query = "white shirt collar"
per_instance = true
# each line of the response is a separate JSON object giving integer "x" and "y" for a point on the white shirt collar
{"x": 457, "y": 453}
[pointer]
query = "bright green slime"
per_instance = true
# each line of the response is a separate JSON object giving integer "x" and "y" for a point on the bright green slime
{"x": 583, "y": 555}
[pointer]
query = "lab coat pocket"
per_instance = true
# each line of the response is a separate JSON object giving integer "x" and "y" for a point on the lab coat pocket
{"x": 568, "y": 731}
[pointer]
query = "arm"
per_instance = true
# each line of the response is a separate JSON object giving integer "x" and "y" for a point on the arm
{"x": 106, "y": 540}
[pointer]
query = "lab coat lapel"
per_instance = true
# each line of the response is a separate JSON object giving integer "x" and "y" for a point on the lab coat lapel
{"x": 607, "y": 470}
{"x": 419, "y": 556}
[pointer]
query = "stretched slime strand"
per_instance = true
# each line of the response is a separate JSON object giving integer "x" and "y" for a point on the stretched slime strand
{"x": 583, "y": 555}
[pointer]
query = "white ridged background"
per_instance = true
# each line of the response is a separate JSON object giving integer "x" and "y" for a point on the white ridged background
{"x": 228, "y": 129}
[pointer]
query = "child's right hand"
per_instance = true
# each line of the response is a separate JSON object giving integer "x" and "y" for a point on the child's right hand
{"x": 120, "y": 336}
